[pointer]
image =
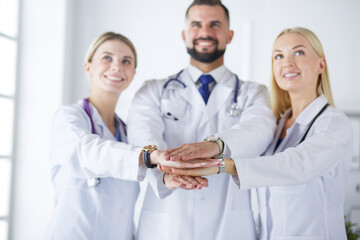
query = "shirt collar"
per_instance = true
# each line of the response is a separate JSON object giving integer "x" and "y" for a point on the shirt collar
{"x": 217, "y": 73}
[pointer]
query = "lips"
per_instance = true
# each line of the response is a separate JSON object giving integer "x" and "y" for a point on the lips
{"x": 291, "y": 75}
{"x": 114, "y": 78}
{"x": 205, "y": 42}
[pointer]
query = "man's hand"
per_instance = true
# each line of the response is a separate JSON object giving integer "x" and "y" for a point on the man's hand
{"x": 173, "y": 181}
{"x": 190, "y": 151}
{"x": 158, "y": 157}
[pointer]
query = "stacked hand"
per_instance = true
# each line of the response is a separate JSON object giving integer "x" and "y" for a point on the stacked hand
{"x": 183, "y": 166}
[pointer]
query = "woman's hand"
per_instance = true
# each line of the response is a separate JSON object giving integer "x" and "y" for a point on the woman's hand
{"x": 173, "y": 181}
{"x": 196, "y": 171}
{"x": 190, "y": 151}
{"x": 157, "y": 157}
{"x": 230, "y": 168}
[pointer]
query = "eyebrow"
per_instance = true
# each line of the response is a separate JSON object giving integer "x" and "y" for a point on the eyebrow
{"x": 211, "y": 22}
{"x": 109, "y": 53}
{"x": 297, "y": 46}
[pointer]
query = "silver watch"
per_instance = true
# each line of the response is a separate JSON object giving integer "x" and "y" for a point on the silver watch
{"x": 222, "y": 166}
{"x": 217, "y": 140}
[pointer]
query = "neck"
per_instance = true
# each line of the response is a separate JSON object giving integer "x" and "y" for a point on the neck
{"x": 207, "y": 67}
{"x": 299, "y": 102}
{"x": 105, "y": 103}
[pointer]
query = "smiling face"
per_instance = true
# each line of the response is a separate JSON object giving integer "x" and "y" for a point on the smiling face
{"x": 112, "y": 67}
{"x": 296, "y": 66}
{"x": 207, "y": 33}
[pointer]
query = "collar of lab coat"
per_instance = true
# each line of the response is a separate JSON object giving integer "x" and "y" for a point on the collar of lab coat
{"x": 304, "y": 119}
{"x": 101, "y": 125}
{"x": 307, "y": 115}
{"x": 217, "y": 73}
{"x": 218, "y": 97}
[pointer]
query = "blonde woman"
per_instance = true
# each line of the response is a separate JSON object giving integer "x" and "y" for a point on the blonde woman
{"x": 302, "y": 177}
{"x": 94, "y": 170}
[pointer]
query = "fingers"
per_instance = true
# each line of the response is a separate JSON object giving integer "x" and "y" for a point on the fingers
{"x": 203, "y": 181}
{"x": 197, "y": 163}
{"x": 196, "y": 171}
{"x": 173, "y": 181}
{"x": 190, "y": 151}
{"x": 164, "y": 169}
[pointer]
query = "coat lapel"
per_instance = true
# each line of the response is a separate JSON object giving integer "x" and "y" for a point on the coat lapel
{"x": 220, "y": 95}
{"x": 191, "y": 94}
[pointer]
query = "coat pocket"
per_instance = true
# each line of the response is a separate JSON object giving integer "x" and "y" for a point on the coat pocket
{"x": 173, "y": 110}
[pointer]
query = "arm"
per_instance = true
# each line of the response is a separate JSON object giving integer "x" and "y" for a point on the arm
{"x": 329, "y": 143}
{"x": 230, "y": 168}
{"x": 86, "y": 155}
{"x": 248, "y": 138}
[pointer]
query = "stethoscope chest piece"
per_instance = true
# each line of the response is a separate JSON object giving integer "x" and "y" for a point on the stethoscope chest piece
{"x": 233, "y": 110}
{"x": 93, "y": 182}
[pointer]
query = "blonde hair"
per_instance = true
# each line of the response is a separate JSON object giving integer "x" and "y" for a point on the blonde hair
{"x": 106, "y": 37}
{"x": 280, "y": 99}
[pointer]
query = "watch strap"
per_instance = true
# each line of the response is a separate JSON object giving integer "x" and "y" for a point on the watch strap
{"x": 146, "y": 155}
{"x": 222, "y": 166}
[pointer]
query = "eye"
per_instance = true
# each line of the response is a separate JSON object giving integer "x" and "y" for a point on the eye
{"x": 215, "y": 24}
{"x": 107, "y": 58}
{"x": 298, "y": 53}
{"x": 278, "y": 56}
{"x": 195, "y": 24}
{"x": 126, "y": 61}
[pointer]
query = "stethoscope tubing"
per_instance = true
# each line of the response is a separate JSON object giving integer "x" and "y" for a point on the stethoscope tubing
{"x": 176, "y": 79}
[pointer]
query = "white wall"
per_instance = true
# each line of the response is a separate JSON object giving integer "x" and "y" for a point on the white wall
{"x": 52, "y": 66}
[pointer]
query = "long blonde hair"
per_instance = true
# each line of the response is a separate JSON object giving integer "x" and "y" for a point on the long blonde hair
{"x": 280, "y": 99}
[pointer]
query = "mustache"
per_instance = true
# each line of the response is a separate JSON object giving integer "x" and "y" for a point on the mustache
{"x": 206, "y": 39}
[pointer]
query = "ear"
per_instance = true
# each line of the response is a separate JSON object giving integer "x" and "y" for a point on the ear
{"x": 322, "y": 65}
{"x": 230, "y": 36}
{"x": 183, "y": 35}
{"x": 87, "y": 67}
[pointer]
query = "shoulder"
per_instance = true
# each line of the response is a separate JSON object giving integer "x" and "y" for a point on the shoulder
{"x": 335, "y": 121}
{"x": 70, "y": 113}
{"x": 154, "y": 85}
{"x": 252, "y": 86}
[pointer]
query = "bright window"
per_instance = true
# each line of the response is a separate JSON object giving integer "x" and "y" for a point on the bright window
{"x": 8, "y": 62}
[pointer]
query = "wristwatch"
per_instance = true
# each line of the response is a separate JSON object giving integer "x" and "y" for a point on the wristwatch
{"x": 147, "y": 150}
{"x": 222, "y": 166}
{"x": 217, "y": 140}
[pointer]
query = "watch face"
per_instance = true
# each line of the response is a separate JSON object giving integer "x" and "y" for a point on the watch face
{"x": 149, "y": 147}
{"x": 212, "y": 138}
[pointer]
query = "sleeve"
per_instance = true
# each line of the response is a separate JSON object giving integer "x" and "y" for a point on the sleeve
{"x": 87, "y": 155}
{"x": 330, "y": 143}
{"x": 255, "y": 130}
{"x": 145, "y": 126}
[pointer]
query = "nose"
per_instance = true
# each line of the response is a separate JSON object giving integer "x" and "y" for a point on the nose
{"x": 289, "y": 61}
{"x": 204, "y": 31}
{"x": 116, "y": 66}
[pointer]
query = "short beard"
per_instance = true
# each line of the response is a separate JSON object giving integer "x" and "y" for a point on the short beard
{"x": 205, "y": 57}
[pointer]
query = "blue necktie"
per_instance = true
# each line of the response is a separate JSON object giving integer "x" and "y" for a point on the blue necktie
{"x": 205, "y": 80}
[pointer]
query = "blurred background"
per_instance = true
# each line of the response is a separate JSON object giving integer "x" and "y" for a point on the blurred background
{"x": 42, "y": 49}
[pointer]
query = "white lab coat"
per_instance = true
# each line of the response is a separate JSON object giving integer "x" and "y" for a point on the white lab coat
{"x": 220, "y": 211}
{"x": 84, "y": 212}
{"x": 306, "y": 182}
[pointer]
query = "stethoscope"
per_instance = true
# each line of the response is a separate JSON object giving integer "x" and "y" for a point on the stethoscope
{"x": 94, "y": 182}
{"x": 232, "y": 111}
